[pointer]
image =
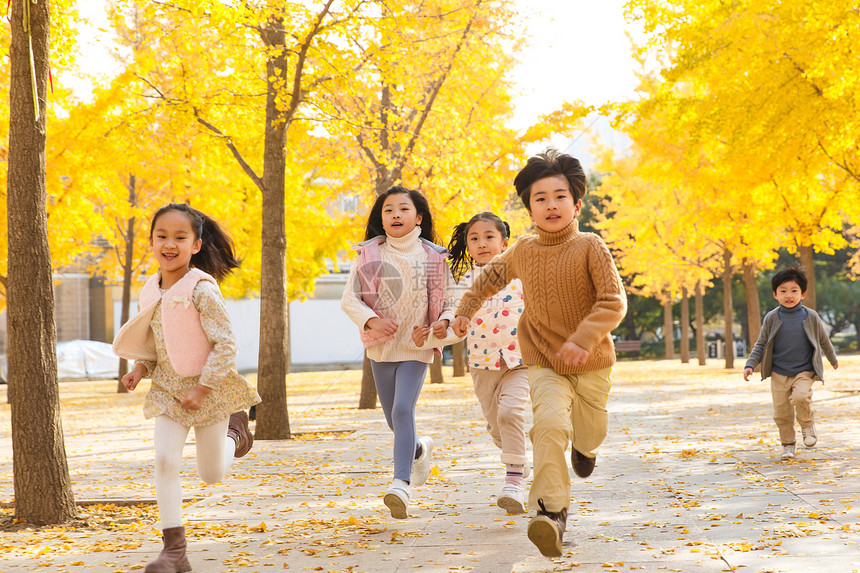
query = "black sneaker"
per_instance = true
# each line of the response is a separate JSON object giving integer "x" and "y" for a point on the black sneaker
{"x": 582, "y": 464}
{"x": 546, "y": 530}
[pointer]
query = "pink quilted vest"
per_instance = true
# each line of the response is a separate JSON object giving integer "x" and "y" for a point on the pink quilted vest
{"x": 369, "y": 276}
{"x": 188, "y": 346}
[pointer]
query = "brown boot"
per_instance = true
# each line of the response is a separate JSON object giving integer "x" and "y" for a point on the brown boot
{"x": 241, "y": 434}
{"x": 582, "y": 464}
{"x": 546, "y": 530}
{"x": 172, "y": 558}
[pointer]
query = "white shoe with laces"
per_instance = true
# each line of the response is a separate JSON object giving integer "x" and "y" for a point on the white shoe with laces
{"x": 788, "y": 451}
{"x": 809, "y": 437}
{"x": 421, "y": 466}
{"x": 512, "y": 499}
{"x": 397, "y": 498}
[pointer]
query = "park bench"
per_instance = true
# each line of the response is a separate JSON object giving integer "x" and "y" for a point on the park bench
{"x": 628, "y": 346}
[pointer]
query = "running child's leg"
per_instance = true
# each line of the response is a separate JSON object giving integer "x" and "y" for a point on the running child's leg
{"x": 801, "y": 398}
{"x": 409, "y": 381}
{"x": 551, "y": 395}
{"x": 215, "y": 451}
{"x": 513, "y": 395}
{"x": 486, "y": 386}
{"x": 783, "y": 411}
{"x": 383, "y": 377}
{"x": 169, "y": 440}
{"x": 589, "y": 418}
{"x": 398, "y": 385}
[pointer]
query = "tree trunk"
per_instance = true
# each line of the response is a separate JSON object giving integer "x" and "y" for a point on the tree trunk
{"x": 273, "y": 421}
{"x": 458, "y": 349}
{"x": 367, "y": 399}
{"x": 668, "y": 328}
{"x": 700, "y": 325}
{"x": 727, "y": 309}
{"x": 127, "y": 271}
{"x": 753, "y": 309}
{"x": 43, "y": 491}
{"x": 436, "y": 370}
{"x": 807, "y": 262}
{"x": 685, "y": 326}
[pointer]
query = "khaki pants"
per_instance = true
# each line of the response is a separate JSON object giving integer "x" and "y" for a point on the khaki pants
{"x": 792, "y": 397}
{"x": 567, "y": 408}
{"x": 503, "y": 395}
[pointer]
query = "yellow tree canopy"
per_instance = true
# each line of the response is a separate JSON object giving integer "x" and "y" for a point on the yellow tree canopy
{"x": 774, "y": 82}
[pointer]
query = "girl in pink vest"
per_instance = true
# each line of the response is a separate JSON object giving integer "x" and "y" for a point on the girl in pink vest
{"x": 398, "y": 285}
{"x": 182, "y": 339}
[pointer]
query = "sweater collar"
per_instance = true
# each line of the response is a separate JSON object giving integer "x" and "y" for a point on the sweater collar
{"x": 409, "y": 243}
{"x": 558, "y": 237}
{"x": 798, "y": 308}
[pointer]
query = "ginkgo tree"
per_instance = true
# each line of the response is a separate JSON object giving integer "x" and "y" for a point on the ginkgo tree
{"x": 244, "y": 74}
{"x": 43, "y": 492}
{"x": 427, "y": 104}
{"x": 780, "y": 103}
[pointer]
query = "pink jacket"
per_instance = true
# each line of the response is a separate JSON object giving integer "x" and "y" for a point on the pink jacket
{"x": 369, "y": 268}
{"x": 188, "y": 347}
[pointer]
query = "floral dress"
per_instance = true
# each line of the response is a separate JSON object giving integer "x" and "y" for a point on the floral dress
{"x": 230, "y": 391}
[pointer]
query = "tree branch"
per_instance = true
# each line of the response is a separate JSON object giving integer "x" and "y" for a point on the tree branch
{"x": 258, "y": 181}
{"x": 434, "y": 91}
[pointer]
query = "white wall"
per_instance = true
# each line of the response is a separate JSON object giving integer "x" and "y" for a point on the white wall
{"x": 320, "y": 333}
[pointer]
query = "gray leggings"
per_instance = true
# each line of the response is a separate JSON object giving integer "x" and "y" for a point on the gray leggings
{"x": 398, "y": 385}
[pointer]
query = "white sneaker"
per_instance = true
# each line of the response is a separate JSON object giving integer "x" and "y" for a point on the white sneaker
{"x": 788, "y": 451}
{"x": 809, "y": 437}
{"x": 421, "y": 466}
{"x": 512, "y": 499}
{"x": 397, "y": 499}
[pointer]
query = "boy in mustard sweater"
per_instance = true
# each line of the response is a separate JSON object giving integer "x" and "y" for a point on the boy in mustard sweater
{"x": 574, "y": 298}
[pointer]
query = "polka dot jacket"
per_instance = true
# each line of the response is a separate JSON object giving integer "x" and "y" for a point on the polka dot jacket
{"x": 493, "y": 331}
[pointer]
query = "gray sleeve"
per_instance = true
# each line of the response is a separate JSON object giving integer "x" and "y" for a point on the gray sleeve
{"x": 757, "y": 351}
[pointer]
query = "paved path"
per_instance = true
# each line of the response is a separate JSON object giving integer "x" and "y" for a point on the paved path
{"x": 689, "y": 480}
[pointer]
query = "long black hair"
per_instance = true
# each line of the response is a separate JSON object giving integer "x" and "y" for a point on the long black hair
{"x": 374, "y": 220}
{"x": 457, "y": 247}
{"x": 216, "y": 255}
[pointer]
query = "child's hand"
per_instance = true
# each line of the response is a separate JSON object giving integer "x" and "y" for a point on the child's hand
{"x": 382, "y": 325}
{"x": 420, "y": 334}
{"x": 835, "y": 365}
{"x": 194, "y": 398}
{"x": 747, "y": 373}
{"x": 440, "y": 328}
{"x": 572, "y": 354}
{"x": 132, "y": 379}
{"x": 460, "y": 325}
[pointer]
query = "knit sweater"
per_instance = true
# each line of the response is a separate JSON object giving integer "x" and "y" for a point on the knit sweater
{"x": 572, "y": 290}
{"x": 402, "y": 298}
{"x": 792, "y": 351}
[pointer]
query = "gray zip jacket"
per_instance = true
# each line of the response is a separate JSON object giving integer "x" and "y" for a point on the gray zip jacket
{"x": 813, "y": 326}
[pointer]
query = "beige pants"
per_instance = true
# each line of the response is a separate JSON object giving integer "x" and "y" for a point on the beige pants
{"x": 567, "y": 408}
{"x": 503, "y": 395}
{"x": 792, "y": 397}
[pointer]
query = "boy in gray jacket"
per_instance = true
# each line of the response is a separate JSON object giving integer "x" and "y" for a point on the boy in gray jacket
{"x": 789, "y": 350}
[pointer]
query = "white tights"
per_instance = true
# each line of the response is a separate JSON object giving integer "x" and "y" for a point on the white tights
{"x": 215, "y": 451}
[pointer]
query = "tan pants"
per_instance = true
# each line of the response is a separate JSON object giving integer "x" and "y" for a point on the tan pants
{"x": 567, "y": 408}
{"x": 503, "y": 395}
{"x": 792, "y": 397}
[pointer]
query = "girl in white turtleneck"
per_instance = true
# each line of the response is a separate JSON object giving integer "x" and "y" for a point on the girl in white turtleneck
{"x": 398, "y": 286}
